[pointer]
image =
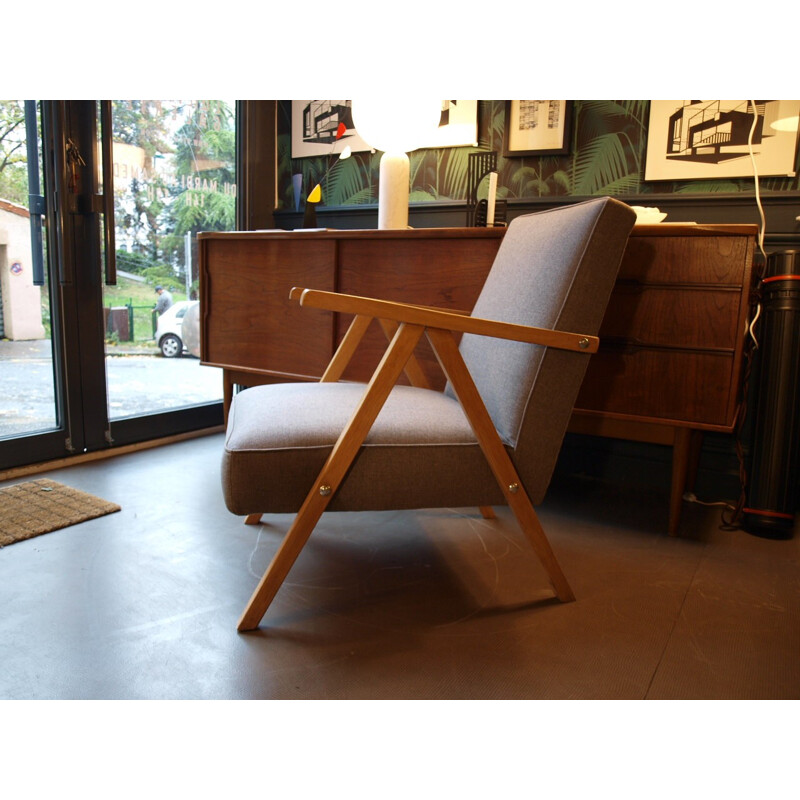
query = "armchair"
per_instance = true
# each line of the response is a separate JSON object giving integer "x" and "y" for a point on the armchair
{"x": 492, "y": 437}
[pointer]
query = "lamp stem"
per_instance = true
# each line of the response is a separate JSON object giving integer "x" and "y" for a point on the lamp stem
{"x": 393, "y": 191}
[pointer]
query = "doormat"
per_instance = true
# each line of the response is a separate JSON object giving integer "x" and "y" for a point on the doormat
{"x": 36, "y": 507}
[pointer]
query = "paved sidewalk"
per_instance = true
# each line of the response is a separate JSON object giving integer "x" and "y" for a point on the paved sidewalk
{"x": 17, "y": 351}
{"x": 41, "y": 349}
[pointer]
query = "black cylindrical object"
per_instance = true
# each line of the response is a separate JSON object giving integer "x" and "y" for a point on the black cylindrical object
{"x": 773, "y": 476}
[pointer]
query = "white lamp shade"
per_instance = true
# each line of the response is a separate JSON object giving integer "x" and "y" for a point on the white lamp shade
{"x": 396, "y": 126}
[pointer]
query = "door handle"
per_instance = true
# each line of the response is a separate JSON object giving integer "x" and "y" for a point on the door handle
{"x": 62, "y": 199}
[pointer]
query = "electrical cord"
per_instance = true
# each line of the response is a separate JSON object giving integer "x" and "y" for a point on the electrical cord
{"x": 763, "y": 224}
{"x": 732, "y": 520}
{"x": 691, "y": 497}
{"x": 732, "y": 513}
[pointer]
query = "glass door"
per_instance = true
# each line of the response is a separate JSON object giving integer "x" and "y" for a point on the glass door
{"x": 86, "y": 362}
{"x": 173, "y": 168}
{"x": 33, "y": 399}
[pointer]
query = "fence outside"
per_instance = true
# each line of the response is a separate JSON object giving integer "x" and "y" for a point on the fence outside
{"x": 121, "y": 322}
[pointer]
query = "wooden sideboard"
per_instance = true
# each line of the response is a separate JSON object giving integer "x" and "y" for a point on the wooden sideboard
{"x": 669, "y": 365}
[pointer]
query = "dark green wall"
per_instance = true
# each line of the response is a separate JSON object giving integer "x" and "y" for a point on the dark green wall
{"x": 608, "y": 143}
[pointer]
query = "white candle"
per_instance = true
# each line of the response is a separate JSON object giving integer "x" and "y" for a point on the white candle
{"x": 490, "y": 199}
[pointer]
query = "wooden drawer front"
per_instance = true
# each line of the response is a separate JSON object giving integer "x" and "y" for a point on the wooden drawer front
{"x": 716, "y": 260}
{"x": 684, "y": 386}
{"x": 680, "y": 317}
{"x": 251, "y": 322}
{"x": 445, "y": 273}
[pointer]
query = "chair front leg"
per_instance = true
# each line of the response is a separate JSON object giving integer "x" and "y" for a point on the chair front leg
{"x": 332, "y": 474}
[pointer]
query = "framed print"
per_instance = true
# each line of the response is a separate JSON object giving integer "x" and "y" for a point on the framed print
{"x": 707, "y": 139}
{"x": 537, "y": 127}
{"x": 315, "y": 124}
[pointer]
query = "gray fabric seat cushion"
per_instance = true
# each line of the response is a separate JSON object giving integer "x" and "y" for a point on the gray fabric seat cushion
{"x": 421, "y": 451}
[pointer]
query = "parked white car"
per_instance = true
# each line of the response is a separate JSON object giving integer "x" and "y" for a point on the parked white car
{"x": 169, "y": 336}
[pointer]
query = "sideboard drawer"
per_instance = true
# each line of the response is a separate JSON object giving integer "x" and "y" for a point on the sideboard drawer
{"x": 681, "y": 385}
{"x": 714, "y": 260}
{"x": 675, "y": 316}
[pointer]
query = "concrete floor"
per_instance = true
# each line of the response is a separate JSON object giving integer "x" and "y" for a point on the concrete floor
{"x": 434, "y": 605}
{"x": 143, "y": 604}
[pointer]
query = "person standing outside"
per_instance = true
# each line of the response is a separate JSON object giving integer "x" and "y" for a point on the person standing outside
{"x": 164, "y": 300}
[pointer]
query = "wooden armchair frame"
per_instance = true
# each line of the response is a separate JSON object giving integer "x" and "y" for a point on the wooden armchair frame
{"x": 405, "y": 325}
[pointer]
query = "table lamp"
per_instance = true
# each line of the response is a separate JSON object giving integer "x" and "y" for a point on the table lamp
{"x": 396, "y": 128}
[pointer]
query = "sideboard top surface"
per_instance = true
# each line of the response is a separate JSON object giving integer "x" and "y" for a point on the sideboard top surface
{"x": 659, "y": 229}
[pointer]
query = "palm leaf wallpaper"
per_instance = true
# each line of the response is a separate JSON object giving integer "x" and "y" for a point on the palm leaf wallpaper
{"x": 606, "y": 157}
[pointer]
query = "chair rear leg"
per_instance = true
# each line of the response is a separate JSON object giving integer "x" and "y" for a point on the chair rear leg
{"x": 468, "y": 395}
{"x": 533, "y": 530}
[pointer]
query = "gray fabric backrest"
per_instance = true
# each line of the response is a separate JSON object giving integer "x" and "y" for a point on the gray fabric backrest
{"x": 554, "y": 269}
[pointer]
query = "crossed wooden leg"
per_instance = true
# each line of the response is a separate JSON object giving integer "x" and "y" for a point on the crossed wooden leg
{"x": 351, "y": 439}
{"x": 342, "y": 455}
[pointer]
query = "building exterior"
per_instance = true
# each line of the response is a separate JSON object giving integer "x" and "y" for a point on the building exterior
{"x": 20, "y": 300}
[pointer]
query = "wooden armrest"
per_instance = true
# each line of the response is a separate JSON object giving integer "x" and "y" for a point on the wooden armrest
{"x": 447, "y": 320}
